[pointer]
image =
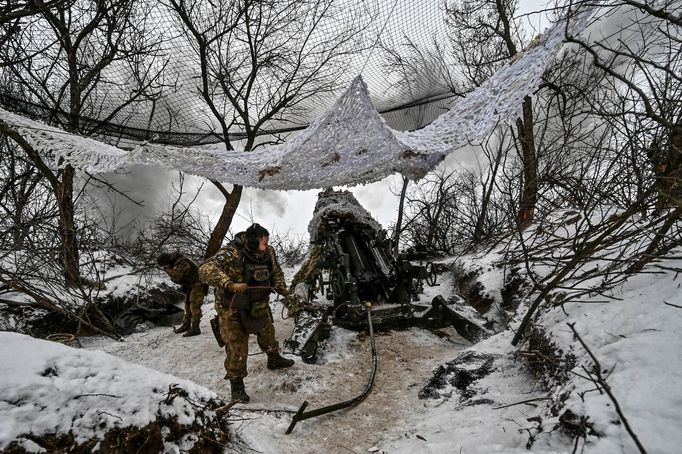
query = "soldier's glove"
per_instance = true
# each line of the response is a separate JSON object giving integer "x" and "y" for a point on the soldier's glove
{"x": 237, "y": 287}
{"x": 294, "y": 305}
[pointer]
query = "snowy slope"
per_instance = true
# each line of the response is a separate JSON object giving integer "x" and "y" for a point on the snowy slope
{"x": 636, "y": 338}
{"x": 482, "y": 423}
{"x": 50, "y": 389}
{"x": 632, "y": 329}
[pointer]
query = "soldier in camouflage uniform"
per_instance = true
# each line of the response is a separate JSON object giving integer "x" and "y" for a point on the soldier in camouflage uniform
{"x": 309, "y": 269}
{"x": 244, "y": 274}
{"x": 185, "y": 272}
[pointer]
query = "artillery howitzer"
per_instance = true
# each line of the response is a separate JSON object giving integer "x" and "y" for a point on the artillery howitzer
{"x": 352, "y": 268}
{"x": 353, "y": 279}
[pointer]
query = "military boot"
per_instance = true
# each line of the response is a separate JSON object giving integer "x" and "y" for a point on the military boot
{"x": 238, "y": 392}
{"x": 182, "y": 328}
{"x": 277, "y": 361}
{"x": 194, "y": 330}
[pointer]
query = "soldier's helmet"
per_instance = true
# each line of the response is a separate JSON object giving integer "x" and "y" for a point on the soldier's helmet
{"x": 253, "y": 235}
{"x": 168, "y": 258}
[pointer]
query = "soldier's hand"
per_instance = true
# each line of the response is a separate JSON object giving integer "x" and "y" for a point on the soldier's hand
{"x": 238, "y": 287}
{"x": 294, "y": 305}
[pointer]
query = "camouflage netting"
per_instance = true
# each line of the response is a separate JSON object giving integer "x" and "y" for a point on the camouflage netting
{"x": 179, "y": 116}
{"x": 341, "y": 205}
{"x": 350, "y": 144}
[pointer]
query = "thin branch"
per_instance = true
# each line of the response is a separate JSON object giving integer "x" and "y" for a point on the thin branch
{"x": 599, "y": 379}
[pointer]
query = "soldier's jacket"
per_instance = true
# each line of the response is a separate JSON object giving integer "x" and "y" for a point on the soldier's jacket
{"x": 184, "y": 272}
{"x": 228, "y": 266}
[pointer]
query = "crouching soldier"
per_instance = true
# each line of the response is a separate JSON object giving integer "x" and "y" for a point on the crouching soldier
{"x": 244, "y": 274}
{"x": 185, "y": 272}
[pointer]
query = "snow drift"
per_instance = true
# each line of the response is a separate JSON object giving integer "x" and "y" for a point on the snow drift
{"x": 79, "y": 398}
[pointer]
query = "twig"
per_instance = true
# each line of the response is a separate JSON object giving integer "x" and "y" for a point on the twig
{"x": 21, "y": 303}
{"x": 600, "y": 380}
{"x": 347, "y": 448}
{"x": 102, "y": 412}
{"x": 522, "y": 402}
{"x": 265, "y": 410}
{"x": 671, "y": 304}
{"x": 96, "y": 394}
{"x": 220, "y": 411}
{"x": 135, "y": 271}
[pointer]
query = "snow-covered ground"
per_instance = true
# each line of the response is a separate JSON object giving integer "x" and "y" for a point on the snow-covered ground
{"x": 406, "y": 361}
{"x": 481, "y": 424}
{"x": 636, "y": 339}
{"x": 633, "y": 330}
{"x": 49, "y": 389}
{"x": 392, "y": 419}
{"x": 634, "y": 334}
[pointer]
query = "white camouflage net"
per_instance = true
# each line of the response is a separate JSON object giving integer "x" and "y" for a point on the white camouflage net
{"x": 349, "y": 145}
{"x": 339, "y": 204}
{"x": 82, "y": 153}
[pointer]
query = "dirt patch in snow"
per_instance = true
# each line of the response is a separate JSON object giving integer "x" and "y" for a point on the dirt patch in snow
{"x": 460, "y": 373}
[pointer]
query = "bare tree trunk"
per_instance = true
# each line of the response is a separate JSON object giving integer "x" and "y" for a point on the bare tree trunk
{"x": 670, "y": 174}
{"x": 399, "y": 222}
{"x": 431, "y": 233}
{"x": 67, "y": 224}
{"x": 479, "y": 233}
{"x": 67, "y": 229}
{"x": 529, "y": 192}
{"x": 222, "y": 226}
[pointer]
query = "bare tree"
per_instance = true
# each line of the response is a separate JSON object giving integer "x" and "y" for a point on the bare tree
{"x": 627, "y": 82}
{"x": 431, "y": 210}
{"x": 28, "y": 214}
{"x": 291, "y": 249}
{"x": 260, "y": 61}
{"x": 64, "y": 53}
{"x": 12, "y": 14}
{"x": 490, "y": 29}
{"x": 399, "y": 222}
{"x": 483, "y": 35}
{"x": 643, "y": 67}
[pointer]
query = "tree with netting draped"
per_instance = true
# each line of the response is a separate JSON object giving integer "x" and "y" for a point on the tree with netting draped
{"x": 486, "y": 36}
{"x": 258, "y": 63}
{"x": 482, "y": 37}
{"x": 54, "y": 60}
{"x": 12, "y": 16}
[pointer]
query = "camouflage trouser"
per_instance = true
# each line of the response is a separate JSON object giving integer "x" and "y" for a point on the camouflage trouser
{"x": 194, "y": 299}
{"x": 237, "y": 342}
